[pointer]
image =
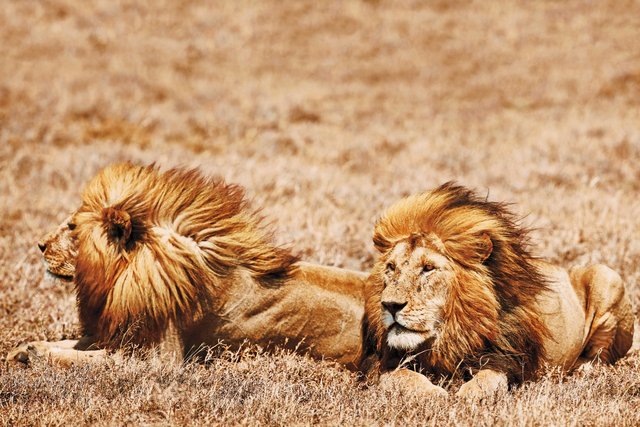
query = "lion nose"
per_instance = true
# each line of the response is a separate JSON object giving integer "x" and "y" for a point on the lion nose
{"x": 393, "y": 307}
{"x": 42, "y": 246}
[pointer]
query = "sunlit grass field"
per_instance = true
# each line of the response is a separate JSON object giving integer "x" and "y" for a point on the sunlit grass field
{"x": 326, "y": 112}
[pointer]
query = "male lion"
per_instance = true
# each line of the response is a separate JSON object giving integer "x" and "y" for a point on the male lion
{"x": 177, "y": 261}
{"x": 456, "y": 292}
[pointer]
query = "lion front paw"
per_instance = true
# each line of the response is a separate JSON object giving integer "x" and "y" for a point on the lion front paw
{"x": 27, "y": 353}
{"x": 485, "y": 384}
{"x": 431, "y": 391}
{"x": 471, "y": 390}
{"x": 406, "y": 381}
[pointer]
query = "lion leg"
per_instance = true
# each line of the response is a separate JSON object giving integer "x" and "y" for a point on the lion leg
{"x": 80, "y": 344}
{"x": 609, "y": 318}
{"x": 68, "y": 357}
{"x": 410, "y": 381}
{"x": 485, "y": 383}
{"x": 64, "y": 353}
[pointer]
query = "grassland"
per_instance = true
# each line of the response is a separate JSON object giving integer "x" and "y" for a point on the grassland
{"x": 326, "y": 112}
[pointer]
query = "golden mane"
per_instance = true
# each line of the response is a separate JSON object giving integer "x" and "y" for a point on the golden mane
{"x": 489, "y": 319}
{"x": 154, "y": 246}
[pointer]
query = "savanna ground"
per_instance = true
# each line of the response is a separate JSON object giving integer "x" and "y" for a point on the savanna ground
{"x": 326, "y": 112}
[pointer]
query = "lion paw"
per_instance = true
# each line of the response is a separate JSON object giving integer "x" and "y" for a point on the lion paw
{"x": 471, "y": 390}
{"x": 27, "y": 353}
{"x": 433, "y": 391}
{"x": 412, "y": 383}
{"x": 485, "y": 384}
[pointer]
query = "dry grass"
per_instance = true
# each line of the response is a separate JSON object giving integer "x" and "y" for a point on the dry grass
{"x": 326, "y": 112}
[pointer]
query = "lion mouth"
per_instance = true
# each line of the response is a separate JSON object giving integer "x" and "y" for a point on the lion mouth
{"x": 399, "y": 328}
{"x": 57, "y": 271}
{"x": 406, "y": 339}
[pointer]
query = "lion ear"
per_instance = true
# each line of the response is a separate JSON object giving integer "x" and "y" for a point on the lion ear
{"x": 485, "y": 247}
{"x": 118, "y": 223}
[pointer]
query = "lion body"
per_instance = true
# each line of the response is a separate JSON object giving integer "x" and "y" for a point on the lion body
{"x": 456, "y": 292}
{"x": 177, "y": 261}
{"x": 317, "y": 311}
{"x": 588, "y": 316}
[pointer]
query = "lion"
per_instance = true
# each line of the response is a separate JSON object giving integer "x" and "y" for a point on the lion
{"x": 177, "y": 262}
{"x": 456, "y": 292}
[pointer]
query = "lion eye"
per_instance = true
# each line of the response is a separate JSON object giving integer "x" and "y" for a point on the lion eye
{"x": 427, "y": 268}
{"x": 71, "y": 226}
{"x": 391, "y": 267}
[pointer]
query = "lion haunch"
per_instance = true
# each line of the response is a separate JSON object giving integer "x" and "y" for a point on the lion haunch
{"x": 456, "y": 292}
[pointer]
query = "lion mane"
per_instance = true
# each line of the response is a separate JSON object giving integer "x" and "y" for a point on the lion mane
{"x": 155, "y": 248}
{"x": 489, "y": 318}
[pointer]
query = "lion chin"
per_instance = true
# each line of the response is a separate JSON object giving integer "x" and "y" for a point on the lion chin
{"x": 177, "y": 262}
{"x": 49, "y": 275}
{"x": 450, "y": 261}
{"x": 404, "y": 339}
{"x": 399, "y": 336}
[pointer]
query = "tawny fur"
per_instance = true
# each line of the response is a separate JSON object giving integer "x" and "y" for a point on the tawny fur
{"x": 177, "y": 260}
{"x": 155, "y": 248}
{"x": 506, "y": 313}
{"x": 489, "y": 314}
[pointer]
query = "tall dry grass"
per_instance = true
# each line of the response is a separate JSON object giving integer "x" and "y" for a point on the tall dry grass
{"x": 327, "y": 112}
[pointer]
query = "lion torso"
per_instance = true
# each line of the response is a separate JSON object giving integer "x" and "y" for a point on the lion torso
{"x": 318, "y": 310}
{"x": 563, "y": 314}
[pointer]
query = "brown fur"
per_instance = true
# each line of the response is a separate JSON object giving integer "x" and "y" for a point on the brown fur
{"x": 489, "y": 318}
{"x": 153, "y": 248}
{"x": 178, "y": 262}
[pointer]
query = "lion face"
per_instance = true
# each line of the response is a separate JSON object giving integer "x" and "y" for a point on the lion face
{"x": 416, "y": 281}
{"x": 60, "y": 249}
{"x": 455, "y": 286}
